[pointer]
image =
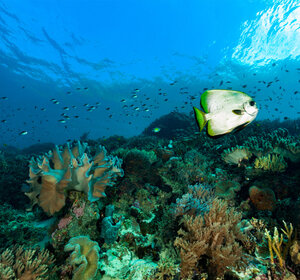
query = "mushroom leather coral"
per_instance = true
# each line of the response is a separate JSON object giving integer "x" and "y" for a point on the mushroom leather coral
{"x": 52, "y": 175}
{"x": 84, "y": 258}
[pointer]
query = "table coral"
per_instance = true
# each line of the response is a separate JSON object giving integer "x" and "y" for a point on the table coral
{"x": 59, "y": 171}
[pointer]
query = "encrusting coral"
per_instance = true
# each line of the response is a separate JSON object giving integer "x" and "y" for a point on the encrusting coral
{"x": 53, "y": 174}
{"x": 84, "y": 258}
{"x": 213, "y": 236}
{"x": 25, "y": 264}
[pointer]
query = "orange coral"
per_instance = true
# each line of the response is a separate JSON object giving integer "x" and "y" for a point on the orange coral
{"x": 70, "y": 169}
{"x": 263, "y": 199}
{"x": 213, "y": 236}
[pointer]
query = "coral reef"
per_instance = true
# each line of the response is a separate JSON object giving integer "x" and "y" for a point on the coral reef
{"x": 195, "y": 202}
{"x": 189, "y": 207}
{"x": 19, "y": 227}
{"x": 80, "y": 219}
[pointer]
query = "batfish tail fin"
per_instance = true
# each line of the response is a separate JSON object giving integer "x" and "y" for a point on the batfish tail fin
{"x": 200, "y": 118}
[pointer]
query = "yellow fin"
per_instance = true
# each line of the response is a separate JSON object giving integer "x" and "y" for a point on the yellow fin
{"x": 200, "y": 118}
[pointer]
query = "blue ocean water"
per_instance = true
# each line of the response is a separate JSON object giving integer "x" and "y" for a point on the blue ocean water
{"x": 112, "y": 67}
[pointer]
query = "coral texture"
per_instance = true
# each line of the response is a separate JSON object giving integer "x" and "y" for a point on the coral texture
{"x": 227, "y": 189}
{"x": 195, "y": 202}
{"x": 236, "y": 155}
{"x": 295, "y": 252}
{"x": 271, "y": 162}
{"x": 52, "y": 175}
{"x": 24, "y": 264}
{"x": 263, "y": 199}
{"x": 84, "y": 258}
{"x": 109, "y": 229}
{"x": 215, "y": 236}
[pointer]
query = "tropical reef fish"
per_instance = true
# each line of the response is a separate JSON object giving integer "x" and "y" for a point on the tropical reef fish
{"x": 156, "y": 129}
{"x": 225, "y": 111}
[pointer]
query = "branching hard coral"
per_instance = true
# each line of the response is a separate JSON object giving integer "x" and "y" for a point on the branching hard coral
{"x": 278, "y": 245}
{"x": 59, "y": 171}
{"x": 236, "y": 155}
{"x": 214, "y": 236}
{"x": 25, "y": 264}
{"x": 271, "y": 162}
{"x": 84, "y": 258}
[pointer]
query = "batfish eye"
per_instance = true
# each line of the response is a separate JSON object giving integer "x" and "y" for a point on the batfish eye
{"x": 252, "y": 103}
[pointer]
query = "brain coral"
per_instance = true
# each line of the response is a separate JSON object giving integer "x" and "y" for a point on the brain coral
{"x": 53, "y": 174}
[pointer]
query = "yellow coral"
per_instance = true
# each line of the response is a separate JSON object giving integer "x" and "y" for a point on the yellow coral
{"x": 295, "y": 252}
{"x": 276, "y": 243}
{"x": 271, "y": 162}
{"x": 84, "y": 258}
{"x": 24, "y": 264}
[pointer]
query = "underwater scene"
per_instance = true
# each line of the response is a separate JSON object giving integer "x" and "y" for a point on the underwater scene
{"x": 149, "y": 140}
